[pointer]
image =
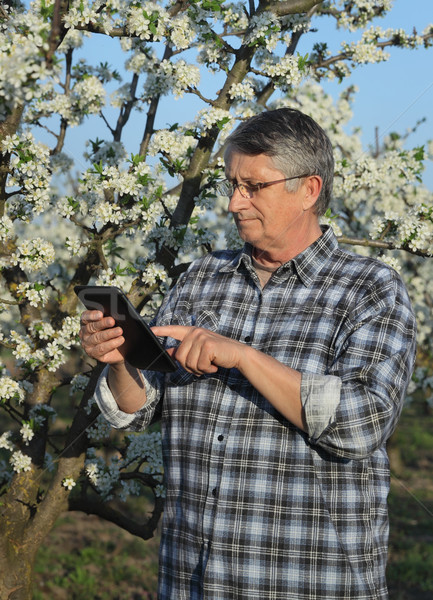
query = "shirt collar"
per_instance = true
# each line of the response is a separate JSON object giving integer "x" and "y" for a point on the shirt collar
{"x": 306, "y": 265}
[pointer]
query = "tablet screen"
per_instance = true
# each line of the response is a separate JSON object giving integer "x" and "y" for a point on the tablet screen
{"x": 143, "y": 349}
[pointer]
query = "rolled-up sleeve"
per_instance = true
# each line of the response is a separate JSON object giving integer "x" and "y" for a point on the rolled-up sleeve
{"x": 353, "y": 409}
{"x": 320, "y": 396}
{"x": 121, "y": 420}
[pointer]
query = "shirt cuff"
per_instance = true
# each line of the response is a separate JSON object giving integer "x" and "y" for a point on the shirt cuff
{"x": 320, "y": 397}
{"x": 110, "y": 410}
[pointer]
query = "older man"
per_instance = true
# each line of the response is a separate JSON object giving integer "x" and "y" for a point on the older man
{"x": 294, "y": 359}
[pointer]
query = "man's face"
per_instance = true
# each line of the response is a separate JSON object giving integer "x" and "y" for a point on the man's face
{"x": 273, "y": 216}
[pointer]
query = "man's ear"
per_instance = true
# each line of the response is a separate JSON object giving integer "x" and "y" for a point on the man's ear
{"x": 312, "y": 186}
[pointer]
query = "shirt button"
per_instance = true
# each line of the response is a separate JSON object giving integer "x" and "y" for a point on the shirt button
{"x": 214, "y": 492}
{"x": 220, "y": 438}
{"x": 247, "y": 338}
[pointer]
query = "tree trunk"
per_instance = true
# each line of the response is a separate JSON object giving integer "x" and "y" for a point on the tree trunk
{"x": 17, "y": 550}
{"x": 16, "y": 572}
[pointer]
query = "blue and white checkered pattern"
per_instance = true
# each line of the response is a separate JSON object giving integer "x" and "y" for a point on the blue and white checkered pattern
{"x": 256, "y": 509}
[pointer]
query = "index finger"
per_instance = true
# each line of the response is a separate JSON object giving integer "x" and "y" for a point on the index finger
{"x": 177, "y": 332}
{"x": 88, "y": 316}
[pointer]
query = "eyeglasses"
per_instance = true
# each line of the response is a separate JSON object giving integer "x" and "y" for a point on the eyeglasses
{"x": 227, "y": 188}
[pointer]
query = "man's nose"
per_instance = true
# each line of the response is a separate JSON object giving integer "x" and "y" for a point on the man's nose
{"x": 238, "y": 202}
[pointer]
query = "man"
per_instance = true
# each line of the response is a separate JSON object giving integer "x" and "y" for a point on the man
{"x": 294, "y": 358}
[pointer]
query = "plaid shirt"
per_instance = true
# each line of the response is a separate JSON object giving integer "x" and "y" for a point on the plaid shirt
{"x": 257, "y": 509}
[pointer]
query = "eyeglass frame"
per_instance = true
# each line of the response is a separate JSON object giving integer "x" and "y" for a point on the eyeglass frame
{"x": 256, "y": 187}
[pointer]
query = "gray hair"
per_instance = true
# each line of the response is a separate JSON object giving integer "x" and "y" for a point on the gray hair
{"x": 295, "y": 143}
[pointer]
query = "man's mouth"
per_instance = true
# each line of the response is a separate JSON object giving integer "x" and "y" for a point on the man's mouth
{"x": 242, "y": 218}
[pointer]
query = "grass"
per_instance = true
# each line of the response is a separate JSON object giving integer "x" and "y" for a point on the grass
{"x": 410, "y": 563}
{"x": 87, "y": 558}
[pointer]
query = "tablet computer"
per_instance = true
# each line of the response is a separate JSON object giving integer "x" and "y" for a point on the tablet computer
{"x": 143, "y": 349}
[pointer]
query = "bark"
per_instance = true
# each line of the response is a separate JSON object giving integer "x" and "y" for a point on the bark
{"x": 28, "y": 513}
{"x": 17, "y": 556}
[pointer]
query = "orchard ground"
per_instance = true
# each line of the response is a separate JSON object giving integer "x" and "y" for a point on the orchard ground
{"x": 85, "y": 557}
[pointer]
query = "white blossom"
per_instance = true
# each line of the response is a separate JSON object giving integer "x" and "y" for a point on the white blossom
{"x": 243, "y": 91}
{"x": 11, "y": 390}
{"x": 69, "y": 483}
{"x": 208, "y": 118}
{"x": 89, "y": 95}
{"x": 174, "y": 144}
{"x": 172, "y": 77}
{"x": 365, "y": 51}
{"x": 265, "y": 27}
{"x": 99, "y": 430}
{"x": 69, "y": 330}
{"x": 325, "y": 220}
{"x": 391, "y": 261}
{"x": 27, "y": 433}
{"x": 108, "y": 277}
{"x": 214, "y": 57}
{"x": 105, "y": 212}
{"x": 103, "y": 477}
{"x": 358, "y": 18}
{"x": 123, "y": 93}
{"x": 21, "y": 61}
{"x": 42, "y": 330}
{"x": 109, "y": 153}
{"x": 75, "y": 246}
{"x": 31, "y": 172}
{"x": 5, "y": 441}
{"x": 34, "y": 255}
{"x": 153, "y": 274}
{"x": 147, "y": 20}
{"x": 182, "y": 31}
{"x": 78, "y": 384}
{"x": 160, "y": 491}
{"x": 40, "y": 413}
{"x": 234, "y": 16}
{"x": 6, "y": 228}
{"x": 20, "y": 462}
{"x": 80, "y": 12}
{"x": 61, "y": 162}
{"x": 285, "y": 71}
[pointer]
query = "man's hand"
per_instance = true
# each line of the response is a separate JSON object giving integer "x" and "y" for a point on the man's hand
{"x": 201, "y": 351}
{"x": 100, "y": 339}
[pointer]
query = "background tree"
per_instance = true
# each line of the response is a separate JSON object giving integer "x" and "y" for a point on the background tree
{"x": 135, "y": 216}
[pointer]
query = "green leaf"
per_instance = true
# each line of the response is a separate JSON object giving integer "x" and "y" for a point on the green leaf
{"x": 302, "y": 62}
{"x": 419, "y": 153}
{"x": 220, "y": 124}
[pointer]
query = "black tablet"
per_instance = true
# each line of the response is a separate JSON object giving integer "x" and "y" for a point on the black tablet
{"x": 143, "y": 349}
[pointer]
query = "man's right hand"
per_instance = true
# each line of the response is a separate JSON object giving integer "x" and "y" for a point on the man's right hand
{"x": 100, "y": 338}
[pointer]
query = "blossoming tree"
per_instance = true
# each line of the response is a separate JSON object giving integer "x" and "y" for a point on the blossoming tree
{"x": 135, "y": 216}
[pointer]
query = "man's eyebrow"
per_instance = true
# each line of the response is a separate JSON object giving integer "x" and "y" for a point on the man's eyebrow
{"x": 246, "y": 180}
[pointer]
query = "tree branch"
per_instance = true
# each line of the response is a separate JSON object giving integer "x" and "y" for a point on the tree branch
{"x": 343, "y": 56}
{"x": 291, "y": 7}
{"x": 144, "y": 530}
{"x": 126, "y": 109}
{"x": 381, "y": 245}
{"x": 58, "y": 30}
{"x": 151, "y": 113}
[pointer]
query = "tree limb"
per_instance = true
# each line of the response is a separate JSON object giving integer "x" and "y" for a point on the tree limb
{"x": 291, "y": 7}
{"x": 144, "y": 530}
{"x": 343, "y": 239}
